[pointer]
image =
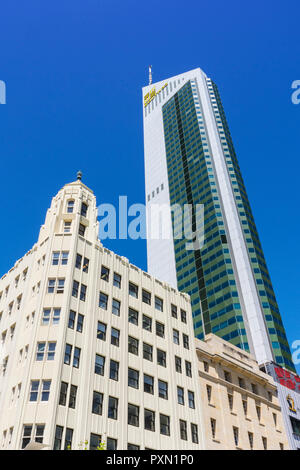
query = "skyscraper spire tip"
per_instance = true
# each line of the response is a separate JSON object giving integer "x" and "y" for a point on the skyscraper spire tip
{"x": 150, "y": 74}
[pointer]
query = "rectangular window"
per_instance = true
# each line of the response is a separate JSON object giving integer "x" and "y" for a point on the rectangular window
{"x": 194, "y": 433}
{"x": 132, "y": 447}
{"x": 213, "y": 427}
{"x": 46, "y": 384}
{"x": 133, "y": 290}
{"x": 188, "y": 369}
{"x": 208, "y": 392}
{"x": 295, "y": 426}
{"x": 147, "y": 352}
{"x": 99, "y": 364}
{"x": 147, "y": 323}
{"x": 101, "y": 331}
{"x": 242, "y": 383}
{"x": 60, "y": 286}
{"x": 76, "y": 357}
{"x": 79, "y": 326}
{"x": 71, "y": 322}
{"x": 70, "y": 206}
{"x": 191, "y": 398}
{"x": 180, "y": 395}
{"x": 133, "y": 316}
{"x": 34, "y": 390}
{"x": 258, "y": 411}
{"x": 178, "y": 364}
{"x": 81, "y": 230}
{"x": 117, "y": 280}
{"x": 183, "y": 316}
{"x": 227, "y": 376}
{"x": 51, "y": 286}
{"x": 64, "y": 257}
{"x": 51, "y": 351}
{"x": 116, "y": 307}
{"x": 27, "y": 431}
{"x": 146, "y": 297}
{"x": 250, "y": 437}
{"x": 245, "y": 406}
{"x": 84, "y": 209}
{"x": 162, "y": 389}
{"x": 58, "y": 438}
{"x": 63, "y": 394}
{"x": 133, "y": 415}
{"x": 114, "y": 370}
{"x": 174, "y": 311}
{"x": 158, "y": 304}
{"x": 115, "y": 337}
{"x": 67, "y": 226}
{"x": 97, "y": 403}
{"x": 183, "y": 429}
{"x": 78, "y": 261}
{"x": 55, "y": 258}
{"x": 265, "y": 443}
{"x": 133, "y": 345}
{"x": 72, "y": 398}
{"x": 95, "y": 441}
{"x": 39, "y": 432}
{"x": 148, "y": 384}
{"x": 185, "y": 339}
{"x": 149, "y": 420}
{"x": 160, "y": 329}
{"x": 85, "y": 267}
{"x": 55, "y": 316}
{"x": 68, "y": 353}
{"x": 75, "y": 289}
{"x": 46, "y": 316}
{"x": 161, "y": 358}
{"x": 112, "y": 408}
{"x": 133, "y": 378}
{"x": 236, "y": 435}
{"x": 103, "y": 299}
{"x": 83, "y": 292}
{"x": 68, "y": 439}
{"x": 230, "y": 401}
{"x": 111, "y": 444}
{"x": 164, "y": 422}
{"x": 104, "y": 273}
{"x": 175, "y": 336}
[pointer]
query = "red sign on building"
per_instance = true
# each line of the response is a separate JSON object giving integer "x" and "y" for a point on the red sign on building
{"x": 287, "y": 379}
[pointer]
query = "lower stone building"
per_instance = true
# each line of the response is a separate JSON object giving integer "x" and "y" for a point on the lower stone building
{"x": 93, "y": 348}
{"x": 240, "y": 406}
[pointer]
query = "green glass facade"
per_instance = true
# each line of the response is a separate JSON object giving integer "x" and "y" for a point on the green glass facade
{"x": 208, "y": 274}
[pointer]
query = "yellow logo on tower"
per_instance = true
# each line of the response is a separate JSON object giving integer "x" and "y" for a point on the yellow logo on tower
{"x": 291, "y": 403}
{"x": 152, "y": 94}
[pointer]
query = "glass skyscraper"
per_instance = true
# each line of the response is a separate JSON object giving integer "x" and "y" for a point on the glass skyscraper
{"x": 190, "y": 159}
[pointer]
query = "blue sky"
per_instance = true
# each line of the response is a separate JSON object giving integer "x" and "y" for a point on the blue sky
{"x": 74, "y": 72}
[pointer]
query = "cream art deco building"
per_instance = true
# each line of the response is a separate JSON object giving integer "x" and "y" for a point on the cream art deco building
{"x": 239, "y": 401}
{"x": 93, "y": 348}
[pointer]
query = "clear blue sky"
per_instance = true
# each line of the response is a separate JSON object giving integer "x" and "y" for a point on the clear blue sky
{"x": 74, "y": 72}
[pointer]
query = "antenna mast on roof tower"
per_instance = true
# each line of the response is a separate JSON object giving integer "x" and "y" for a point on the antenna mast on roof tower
{"x": 150, "y": 74}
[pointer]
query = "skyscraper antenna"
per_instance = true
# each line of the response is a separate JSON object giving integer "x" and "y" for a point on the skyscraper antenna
{"x": 150, "y": 74}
